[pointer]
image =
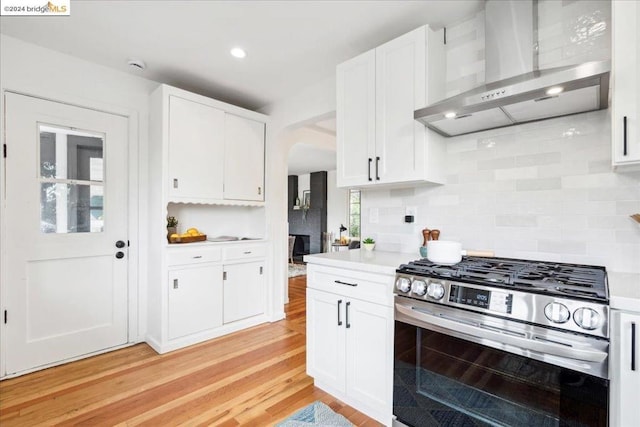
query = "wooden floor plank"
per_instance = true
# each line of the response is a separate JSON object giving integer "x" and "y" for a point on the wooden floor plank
{"x": 255, "y": 377}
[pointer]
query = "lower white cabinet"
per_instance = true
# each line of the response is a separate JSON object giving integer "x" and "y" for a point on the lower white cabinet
{"x": 350, "y": 343}
{"x": 625, "y": 368}
{"x": 244, "y": 294}
{"x": 195, "y": 299}
{"x": 208, "y": 290}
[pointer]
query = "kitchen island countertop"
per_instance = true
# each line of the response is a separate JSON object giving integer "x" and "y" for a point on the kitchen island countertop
{"x": 624, "y": 288}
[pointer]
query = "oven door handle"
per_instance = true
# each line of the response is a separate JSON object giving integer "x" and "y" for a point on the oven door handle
{"x": 545, "y": 347}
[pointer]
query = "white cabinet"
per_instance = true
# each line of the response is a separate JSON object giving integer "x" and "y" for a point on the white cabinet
{"x": 625, "y": 368}
{"x": 195, "y": 300}
{"x": 196, "y": 150}
{"x": 244, "y": 294}
{"x": 350, "y": 337}
{"x": 625, "y": 120}
{"x": 378, "y": 140}
{"x": 243, "y": 158}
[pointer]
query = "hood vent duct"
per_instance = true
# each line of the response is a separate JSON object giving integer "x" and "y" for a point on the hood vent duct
{"x": 517, "y": 91}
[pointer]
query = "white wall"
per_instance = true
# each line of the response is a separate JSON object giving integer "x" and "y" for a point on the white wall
{"x": 30, "y": 69}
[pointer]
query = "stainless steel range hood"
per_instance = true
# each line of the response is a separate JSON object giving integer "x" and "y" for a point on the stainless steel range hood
{"x": 518, "y": 92}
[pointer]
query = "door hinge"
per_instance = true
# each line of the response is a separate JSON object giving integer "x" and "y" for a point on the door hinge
{"x": 5, "y": 317}
{"x": 224, "y": 275}
{"x": 4, "y": 150}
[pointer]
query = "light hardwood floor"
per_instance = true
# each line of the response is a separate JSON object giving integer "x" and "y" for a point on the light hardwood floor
{"x": 254, "y": 377}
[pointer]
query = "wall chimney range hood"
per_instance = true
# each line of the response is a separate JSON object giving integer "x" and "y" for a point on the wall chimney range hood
{"x": 518, "y": 92}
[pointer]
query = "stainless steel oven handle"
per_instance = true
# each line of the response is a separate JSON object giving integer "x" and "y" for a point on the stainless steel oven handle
{"x": 544, "y": 347}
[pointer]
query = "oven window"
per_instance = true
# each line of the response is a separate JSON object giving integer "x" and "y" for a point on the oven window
{"x": 441, "y": 380}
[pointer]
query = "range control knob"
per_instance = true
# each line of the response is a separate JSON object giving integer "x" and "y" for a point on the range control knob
{"x": 403, "y": 284}
{"x": 419, "y": 287}
{"x": 586, "y": 318}
{"x": 557, "y": 313}
{"x": 435, "y": 290}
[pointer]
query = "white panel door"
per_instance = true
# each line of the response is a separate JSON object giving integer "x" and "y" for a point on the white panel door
{"x": 195, "y": 300}
{"x": 355, "y": 120}
{"x": 66, "y": 213}
{"x": 196, "y": 150}
{"x": 625, "y": 368}
{"x": 369, "y": 334}
{"x": 400, "y": 89}
{"x": 325, "y": 338}
{"x": 244, "y": 294}
{"x": 243, "y": 159}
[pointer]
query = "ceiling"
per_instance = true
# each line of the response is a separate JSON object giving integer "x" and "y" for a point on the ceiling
{"x": 314, "y": 149}
{"x": 289, "y": 44}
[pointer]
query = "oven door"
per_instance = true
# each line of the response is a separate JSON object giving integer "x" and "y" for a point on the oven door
{"x": 458, "y": 368}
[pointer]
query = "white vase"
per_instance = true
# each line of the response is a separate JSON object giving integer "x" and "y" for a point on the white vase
{"x": 368, "y": 246}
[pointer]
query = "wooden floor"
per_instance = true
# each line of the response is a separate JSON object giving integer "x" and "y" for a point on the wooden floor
{"x": 254, "y": 377}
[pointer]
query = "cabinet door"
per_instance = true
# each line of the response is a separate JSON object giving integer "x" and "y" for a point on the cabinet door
{"x": 196, "y": 150}
{"x": 625, "y": 368}
{"x": 195, "y": 300}
{"x": 325, "y": 338}
{"x": 369, "y": 354}
{"x": 400, "y": 89}
{"x": 626, "y": 82}
{"x": 243, "y": 290}
{"x": 243, "y": 159}
{"x": 355, "y": 120}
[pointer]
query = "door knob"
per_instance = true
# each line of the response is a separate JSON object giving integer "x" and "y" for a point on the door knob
{"x": 119, "y": 255}
{"x": 119, "y": 244}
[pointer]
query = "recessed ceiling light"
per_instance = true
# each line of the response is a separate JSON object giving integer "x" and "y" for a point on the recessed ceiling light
{"x": 238, "y": 52}
{"x": 450, "y": 115}
{"x": 554, "y": 90}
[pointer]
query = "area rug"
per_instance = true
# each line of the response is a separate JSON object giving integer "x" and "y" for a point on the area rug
{"x": 297, "y": 270}
{"x": 316, "y": 414}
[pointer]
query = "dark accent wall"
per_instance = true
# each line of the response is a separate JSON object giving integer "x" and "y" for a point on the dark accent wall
{"x": 315, "y": 222}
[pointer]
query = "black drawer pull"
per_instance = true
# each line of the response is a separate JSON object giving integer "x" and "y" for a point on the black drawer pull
{"x": 339, "y": 321}
{"x": 340, "y": 282}
{"x": 377, "y": 171}
{"x": 369, "y": 170}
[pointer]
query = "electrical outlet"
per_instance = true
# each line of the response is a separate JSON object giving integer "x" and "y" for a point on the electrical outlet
{"x": 373, "y": 216}
{"x": 411, "y": 211}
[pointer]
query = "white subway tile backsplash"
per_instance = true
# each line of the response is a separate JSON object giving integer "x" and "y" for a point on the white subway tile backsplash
{"x": 516, "y": 221}
{"x": 562, "y": 246}
{"x": 538, "y": 184}
{"x": 538, "y": 159}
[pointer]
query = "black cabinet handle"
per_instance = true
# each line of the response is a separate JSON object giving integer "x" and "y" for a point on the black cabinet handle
{"x": 340, "y": 282}
{"x": 624, "y": 136}
{"x": 347, "y": 313}
{"x": 633, "y": 345}
{"x": 377, "y": 164}
{"x": 119, "y": 244}
{"x": 369, "y": 170}
{"x": 339, "y": 321}
{"x": 119, "y": 255}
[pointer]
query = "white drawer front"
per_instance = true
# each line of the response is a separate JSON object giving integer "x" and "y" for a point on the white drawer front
{"x": 244, "y": 252}
{"x": 376, "y": 288}
{"x": 182, "y": 256}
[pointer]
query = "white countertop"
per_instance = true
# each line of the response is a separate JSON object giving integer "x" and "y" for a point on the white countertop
{"x": 624, "y": 288}
{"x": 624, "y": 291}
{"x": 360, "y": 259}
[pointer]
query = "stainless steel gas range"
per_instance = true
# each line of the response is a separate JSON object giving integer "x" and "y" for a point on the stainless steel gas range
{"x": 498, "y": 341}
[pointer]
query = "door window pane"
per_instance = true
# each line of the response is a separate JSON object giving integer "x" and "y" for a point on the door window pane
{"x": 72, "y": 180}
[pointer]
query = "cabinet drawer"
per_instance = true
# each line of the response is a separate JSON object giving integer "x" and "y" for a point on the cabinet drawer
{"x": 376, "y": 288}
{"x": 244, "y": 252}
{"x": 182, "y": 256}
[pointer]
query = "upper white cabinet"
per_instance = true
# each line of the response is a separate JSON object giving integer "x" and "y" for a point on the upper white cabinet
{"x": 243, "y": 158}
{"x": 626, "y": 83}
{"x": 378, "y": 140}
{"x": 196, "y": 150}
